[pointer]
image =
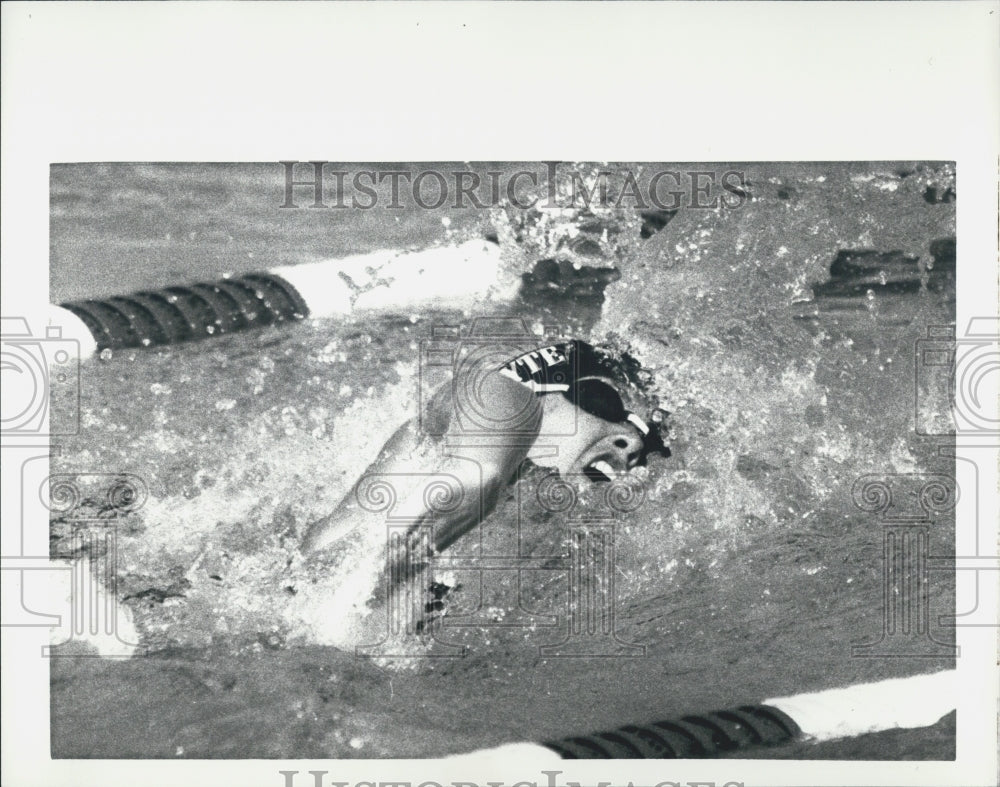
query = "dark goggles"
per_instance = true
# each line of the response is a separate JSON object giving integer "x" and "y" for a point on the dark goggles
{"x": 600, "y": 399}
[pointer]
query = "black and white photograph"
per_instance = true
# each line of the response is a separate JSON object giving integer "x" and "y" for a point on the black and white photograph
{"x": 611, "y": 432}
{"x": 323, "y": 465}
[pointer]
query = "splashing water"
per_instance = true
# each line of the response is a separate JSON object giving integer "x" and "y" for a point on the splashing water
{"x": 779, "y": 400}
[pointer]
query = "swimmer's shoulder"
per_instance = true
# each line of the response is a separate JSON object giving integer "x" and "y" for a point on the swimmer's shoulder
{"x": 481, "y": 401}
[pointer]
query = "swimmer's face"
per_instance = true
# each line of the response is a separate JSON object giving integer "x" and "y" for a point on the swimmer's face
{"x": 585, "y": 443}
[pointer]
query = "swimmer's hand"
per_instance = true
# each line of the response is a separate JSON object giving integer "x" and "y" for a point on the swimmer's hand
{"x": 326, "y": 531}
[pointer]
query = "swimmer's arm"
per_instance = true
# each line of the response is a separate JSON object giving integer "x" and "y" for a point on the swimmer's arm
{"x": 484, "y": 462}
{"x": 482, "y": 479}
{"x": 348, "y": 516}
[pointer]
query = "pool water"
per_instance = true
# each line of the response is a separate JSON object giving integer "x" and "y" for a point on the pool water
{"x": 746, "y": 572}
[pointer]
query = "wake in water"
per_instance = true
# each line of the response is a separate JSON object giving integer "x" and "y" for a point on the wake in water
{"x": 246, "y": 442}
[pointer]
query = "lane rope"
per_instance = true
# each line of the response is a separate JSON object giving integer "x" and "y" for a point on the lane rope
{"x": 895, "y": 703}
{"x": 446, "y": 276}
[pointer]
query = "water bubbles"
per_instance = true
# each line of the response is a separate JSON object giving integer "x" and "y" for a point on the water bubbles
{"x": 209, "y": 329}
{"x": 290, "y": 420}
{"x": 332, "y": 353}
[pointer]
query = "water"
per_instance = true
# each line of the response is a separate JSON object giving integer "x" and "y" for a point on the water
{"x": 746, "y": 573}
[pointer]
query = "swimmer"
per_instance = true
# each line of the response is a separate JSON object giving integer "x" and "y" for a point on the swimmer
{"x": 565, "y": 406}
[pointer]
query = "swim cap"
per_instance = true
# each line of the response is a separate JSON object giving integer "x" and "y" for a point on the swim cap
{"x": 607, "y": 384}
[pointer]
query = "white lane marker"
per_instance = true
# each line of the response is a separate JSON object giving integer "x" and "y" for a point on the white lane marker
{"x": 389, "y": 279}
{"x": 528, "y": 756}
{"x": 897, "y": 703}
{"x": 68, "y": 326}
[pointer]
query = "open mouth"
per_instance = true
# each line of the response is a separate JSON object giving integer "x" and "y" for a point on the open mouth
{"x": 600, "y": 471}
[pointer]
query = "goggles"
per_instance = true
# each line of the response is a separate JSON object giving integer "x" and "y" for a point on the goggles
{"x": 598, "y": 397}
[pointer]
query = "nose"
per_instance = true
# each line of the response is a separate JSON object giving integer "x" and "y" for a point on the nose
{"x": 625, "y": 445}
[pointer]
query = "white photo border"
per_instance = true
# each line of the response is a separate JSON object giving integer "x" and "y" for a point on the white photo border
{"x": 500, "y": 81}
